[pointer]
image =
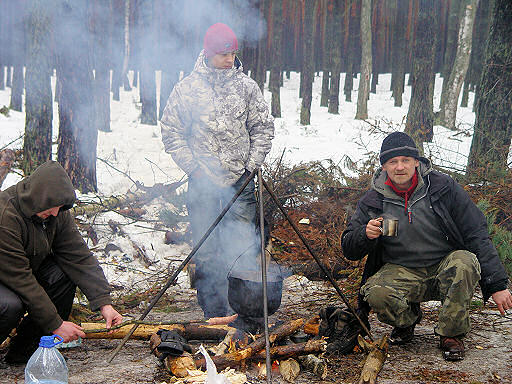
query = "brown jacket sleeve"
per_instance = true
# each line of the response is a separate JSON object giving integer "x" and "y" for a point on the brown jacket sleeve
{"x": 76, "y": 260}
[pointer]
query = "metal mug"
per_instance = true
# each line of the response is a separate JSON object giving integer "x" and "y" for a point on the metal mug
{"x": 389, "y": 227}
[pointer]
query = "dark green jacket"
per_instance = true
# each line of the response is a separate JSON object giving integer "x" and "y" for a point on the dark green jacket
{"x": 26, "y": 240}
{"x": 462, "y": 223}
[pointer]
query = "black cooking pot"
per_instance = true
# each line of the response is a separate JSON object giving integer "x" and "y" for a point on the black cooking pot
{"x": 245, "y": 292}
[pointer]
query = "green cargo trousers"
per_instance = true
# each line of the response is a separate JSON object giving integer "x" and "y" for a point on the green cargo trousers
{"x": 391, "y": 291}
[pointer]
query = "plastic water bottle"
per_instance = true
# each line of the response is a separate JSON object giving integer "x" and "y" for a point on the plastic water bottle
{"x": 47, "y": 365}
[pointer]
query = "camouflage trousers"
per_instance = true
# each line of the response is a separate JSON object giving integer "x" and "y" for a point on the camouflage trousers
{"x": 394, "y": 292}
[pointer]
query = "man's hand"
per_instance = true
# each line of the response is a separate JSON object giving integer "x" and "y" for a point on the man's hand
{"x": 503, "y": 300}
{"x": 111, "y": 316}
{"x": 374, "y": 229}
{"x": 69, "y": 331}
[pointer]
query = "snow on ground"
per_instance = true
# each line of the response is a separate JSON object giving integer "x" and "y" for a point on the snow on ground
{"x": 136, "y": 150}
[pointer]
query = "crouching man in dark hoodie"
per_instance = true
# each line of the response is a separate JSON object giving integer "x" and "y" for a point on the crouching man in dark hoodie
{"x": 43, "y": 259}
{"x": 441, "y": 252}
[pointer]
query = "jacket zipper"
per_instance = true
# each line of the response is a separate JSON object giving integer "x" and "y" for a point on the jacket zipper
{"x": 409, "y": 206}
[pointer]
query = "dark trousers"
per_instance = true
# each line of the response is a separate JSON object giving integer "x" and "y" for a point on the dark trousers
{"x": 59, "y": 288}
{"x": 234, "y": 236}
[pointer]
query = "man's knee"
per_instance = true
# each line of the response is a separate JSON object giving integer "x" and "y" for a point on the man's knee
{"x": 11, "y": 311}
{"x": 464, "y": 262}
{"x": 381, "y": 298}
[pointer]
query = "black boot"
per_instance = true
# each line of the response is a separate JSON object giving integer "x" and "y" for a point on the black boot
{"x": 404, "y": 335}
{"x": 24, "y": 344}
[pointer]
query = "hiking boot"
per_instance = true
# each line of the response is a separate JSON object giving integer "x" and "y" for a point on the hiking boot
{"x": 452, "y": 348}
{"x": 403, "y": 335}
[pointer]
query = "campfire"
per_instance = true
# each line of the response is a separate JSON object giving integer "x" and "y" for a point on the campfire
{"x": 240, "y": 353}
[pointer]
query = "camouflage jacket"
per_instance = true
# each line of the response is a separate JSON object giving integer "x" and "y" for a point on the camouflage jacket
{"x": 217, "y": 120}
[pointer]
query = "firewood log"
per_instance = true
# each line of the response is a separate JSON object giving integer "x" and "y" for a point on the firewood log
{"x": 312, "y": 325}
{"x": 289, "y": 369}
{"x": 377, "y": 353}
{"x": 179, "y": 366}
{"x": 191, "y": 331}
{"x": 234, "y": 358}
{"x": 291, "y": 350}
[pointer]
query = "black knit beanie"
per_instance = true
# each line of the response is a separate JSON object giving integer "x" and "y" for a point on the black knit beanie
{"x": 398, "y": 144}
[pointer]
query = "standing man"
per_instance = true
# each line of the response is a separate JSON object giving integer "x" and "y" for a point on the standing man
{"x": 441, "y": 252}
{"x": 217, "y": 127}
{"x": 43, "y": 259}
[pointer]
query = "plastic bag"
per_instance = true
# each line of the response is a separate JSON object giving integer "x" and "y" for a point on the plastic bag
{"x": 212, "y": 377}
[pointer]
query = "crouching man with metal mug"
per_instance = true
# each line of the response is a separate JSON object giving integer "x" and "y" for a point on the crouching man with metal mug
{"x": 441, "y": 251}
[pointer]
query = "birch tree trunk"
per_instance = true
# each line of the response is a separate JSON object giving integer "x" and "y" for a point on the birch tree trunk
{"x": 493, "y": 125}
{"x": 449, "y": 102}
{"x": 420, "y": 117}
{"x": 126, "y": 58}
{"x": 366, "y": 60}
{"x": 307, "y": 63}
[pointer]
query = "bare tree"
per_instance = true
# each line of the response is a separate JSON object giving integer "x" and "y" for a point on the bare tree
{"x": 78, "y": 135}
{"x": 38, "y": 102}
{"x": 493, "y": 125}
{"x": 450, "y": 97}
{"x": 366, "y": 60}
{"x": 307, "y": 62}
{"x": 420, "y": 117}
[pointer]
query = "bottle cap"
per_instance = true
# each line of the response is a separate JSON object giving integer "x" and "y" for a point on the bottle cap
{"x": 48, "y": 341}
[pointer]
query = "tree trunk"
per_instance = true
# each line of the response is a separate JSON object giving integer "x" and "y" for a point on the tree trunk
{"x": 37, "y": 144}
{"x": 448, "y": 111}
{"x": 261, "y": 65}
{"x": 275, "y": 72}
{"x": 78, "y": 135}
{"x": 481, "y": 34}
{"x": 102, "y": 32}
{"x": 366, "y": 60}
{"x": 18, "y": 57}
{"x": 146, "y": 37}
{"x": 335, "y": 49}
{"x": 354, "y": 34}
{"x": 420, "y": 117}
{"x": 117, "y": 46}
{"x": 454, "y": 17}
{"x": 399, "y": 50}
{"x": 307, "y": 63}
{"x": 126, "y": 57}
{"x": 493, "y": 125}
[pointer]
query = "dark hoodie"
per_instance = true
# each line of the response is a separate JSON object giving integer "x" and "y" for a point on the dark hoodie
{"x": 26, "y": 240}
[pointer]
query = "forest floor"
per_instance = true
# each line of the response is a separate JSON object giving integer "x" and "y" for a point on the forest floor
{"x": 488, "y": 348}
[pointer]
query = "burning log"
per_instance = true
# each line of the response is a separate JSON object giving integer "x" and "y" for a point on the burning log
{"x": 377, "y": 353}
{"x": 314, "y": 364}
{"x": 235, "y": 358}
{"x": 190, "y": 331}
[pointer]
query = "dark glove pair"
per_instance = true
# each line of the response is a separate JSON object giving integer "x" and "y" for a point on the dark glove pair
{"x": 172, "y": 344}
